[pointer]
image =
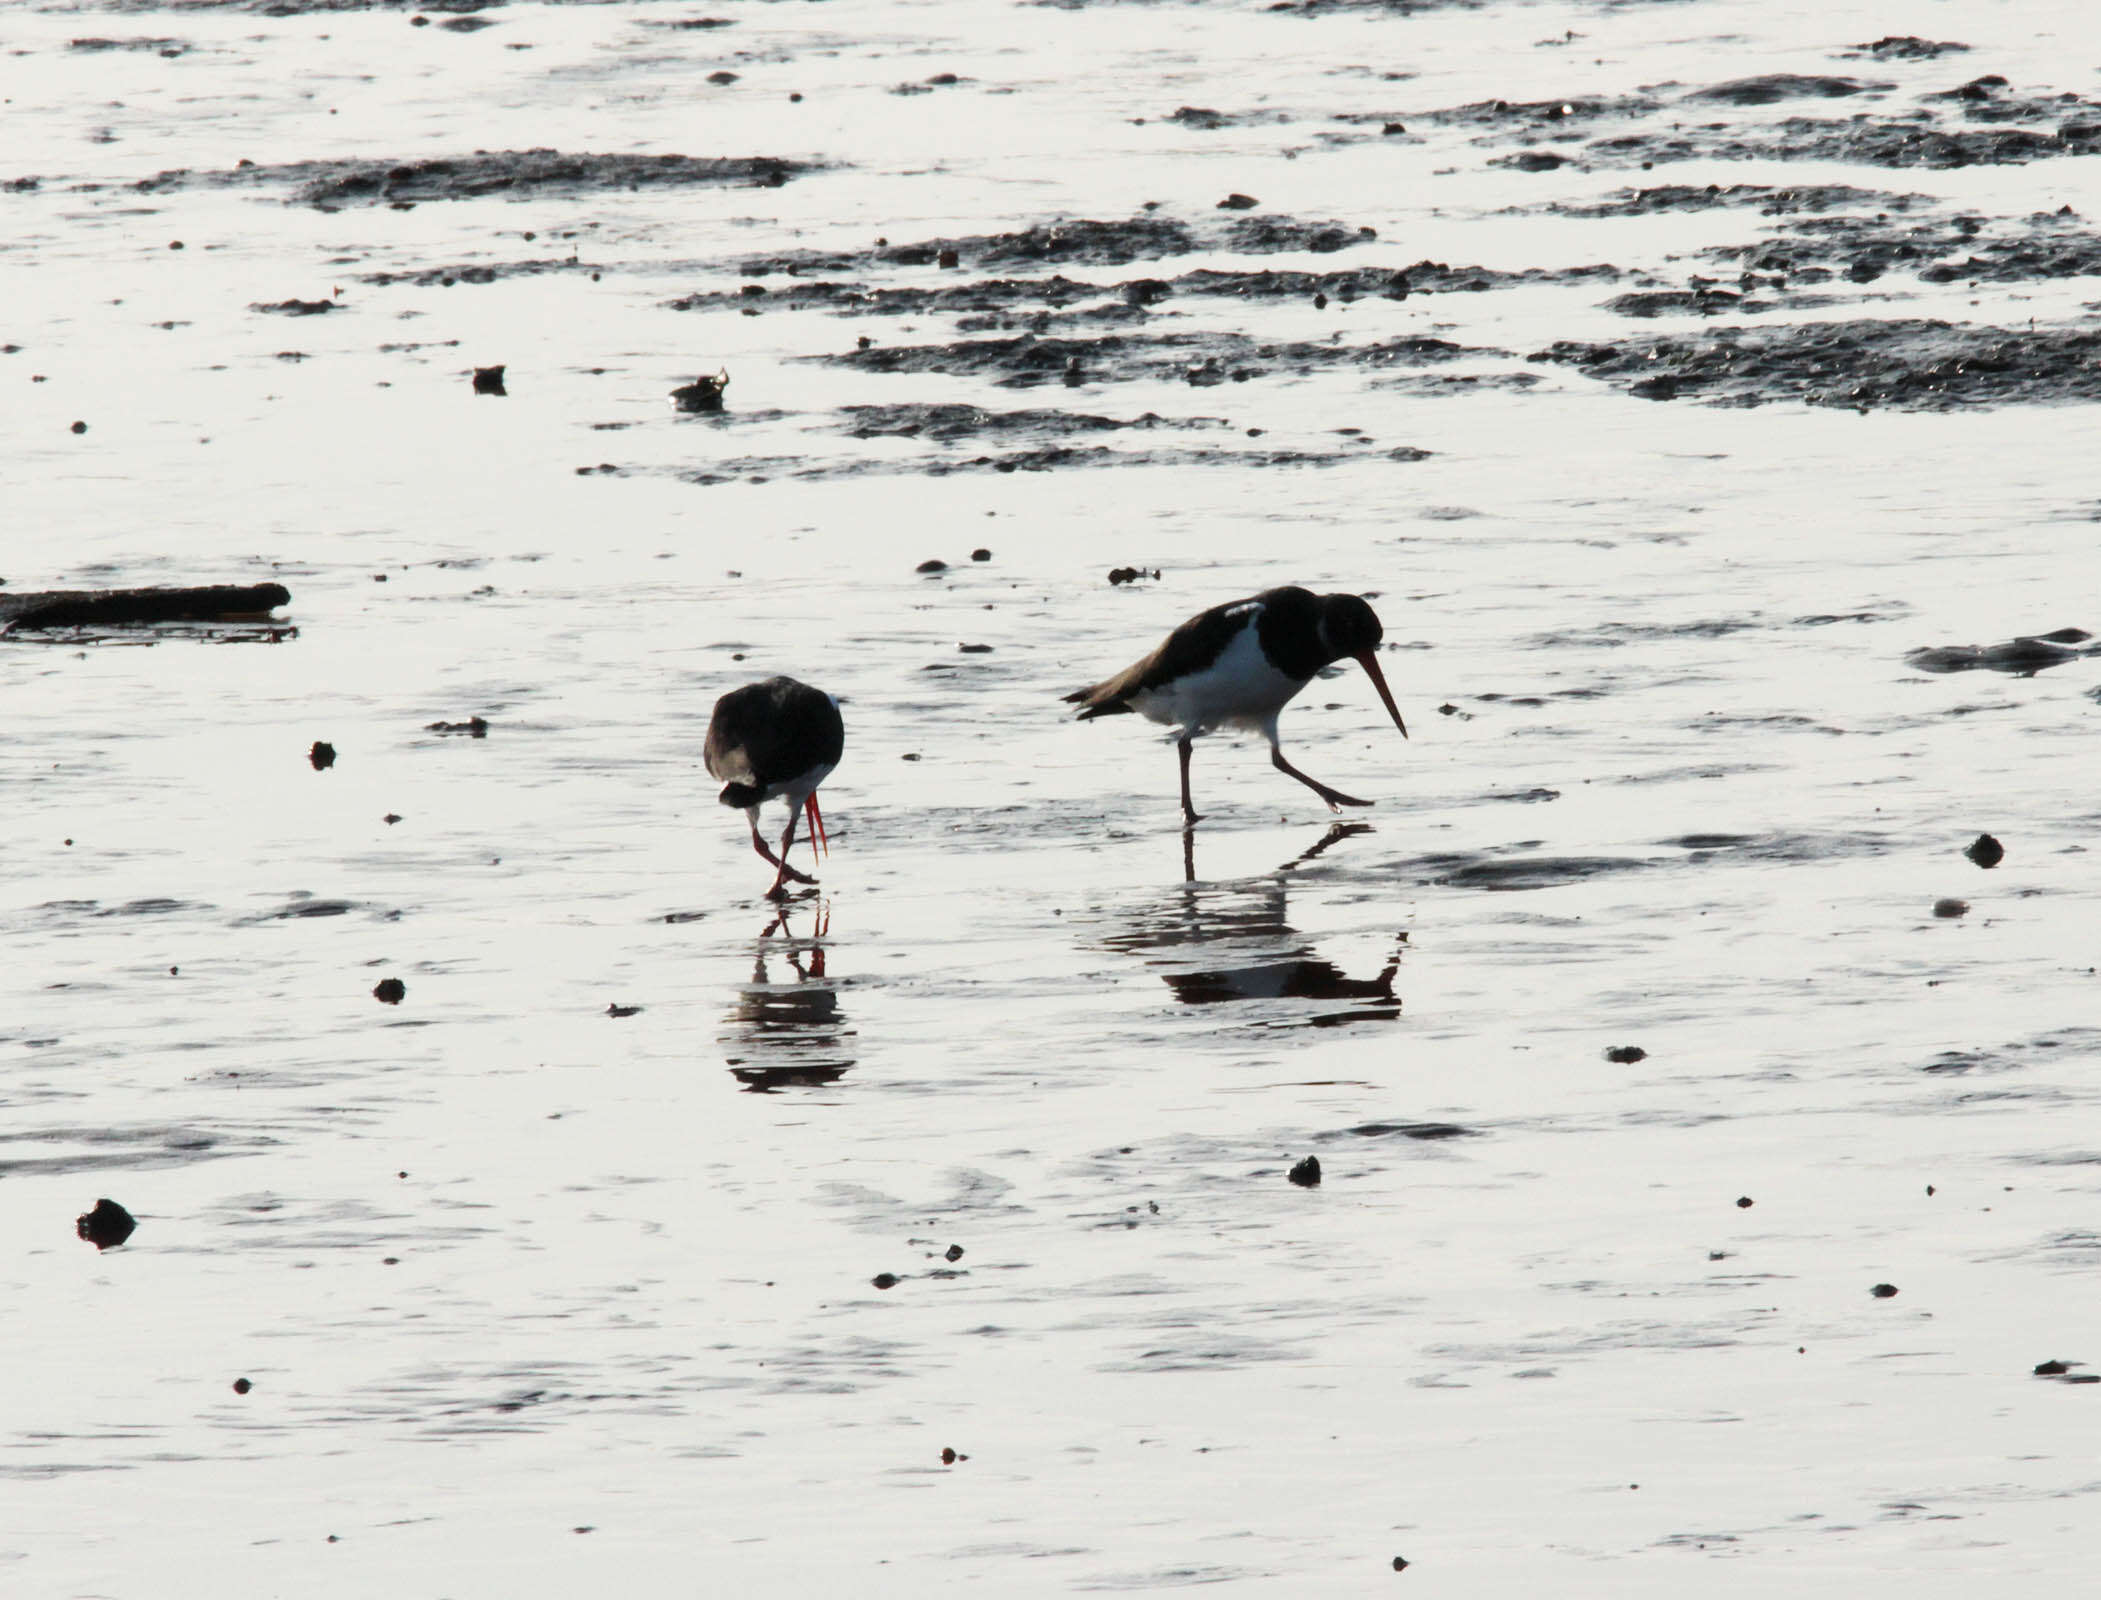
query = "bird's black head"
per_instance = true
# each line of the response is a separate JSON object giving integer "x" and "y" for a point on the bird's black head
{"x": 1348, "y": 627}
{"x": 740, "y": 796}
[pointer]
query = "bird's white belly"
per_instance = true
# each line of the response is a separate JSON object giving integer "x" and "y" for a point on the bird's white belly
{"x": 1240, "y": 689}
{"x": 800, "y": 787}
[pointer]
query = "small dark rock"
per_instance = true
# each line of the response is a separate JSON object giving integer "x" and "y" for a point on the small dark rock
{"x": 1949, "y": 906}
{"x": 489, "y": 380}
{"x": 949, "y": 1457}
{"x": 1987, "y": 851}
{"x": 1884, "y": 1291}
{"x": 954, "y": 1252}
{"x": 391, "y": 818}
{"x": 932, "y": 564}
{"x": 621, "y": 1011}
{"x": 981, "y": 555}
{"x": 242, "y": 1386}
{"x": 1306, "y": 1174}
{"x": 108, "y": 1225}
{"x": 724, "y": 76}
{"x": 1238, "y": 202}
{"x": 323, "y": 755}
{"x": 974, "y": 649}
{"x": 390, "y": 991}
{"x": 2052, "y": 1369}
{"x": 473, "y": 727}
{"x": 1626, "y": 1054}
{"x": 885, "y": 1280}
{"x": 80, "y": 427}
{"x": 1744, "y": 1202}
{"x": 1400, "y": 1563}
{"x": 948, "y": 259}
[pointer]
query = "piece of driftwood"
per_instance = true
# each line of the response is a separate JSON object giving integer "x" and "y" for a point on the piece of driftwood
{"x": 105, "y": 608}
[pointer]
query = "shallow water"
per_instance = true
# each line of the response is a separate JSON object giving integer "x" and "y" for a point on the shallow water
{"x": 567, "y": 1265}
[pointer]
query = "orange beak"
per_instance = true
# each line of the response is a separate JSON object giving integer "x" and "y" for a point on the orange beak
{"x": 1370, "y": 663}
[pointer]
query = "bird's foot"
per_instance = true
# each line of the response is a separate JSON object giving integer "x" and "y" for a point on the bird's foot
{"x": 1337, "y": 799}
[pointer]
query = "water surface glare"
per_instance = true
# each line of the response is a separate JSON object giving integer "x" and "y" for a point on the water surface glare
{"x": 1700, "y": 392}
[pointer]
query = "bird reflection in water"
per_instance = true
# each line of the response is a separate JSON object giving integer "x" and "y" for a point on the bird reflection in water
{"x": 1249, "y": 918}
{"x": 789, "y": 1034}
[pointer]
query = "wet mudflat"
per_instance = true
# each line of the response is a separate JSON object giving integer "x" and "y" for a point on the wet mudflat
{"x": 1703, "y": 1201}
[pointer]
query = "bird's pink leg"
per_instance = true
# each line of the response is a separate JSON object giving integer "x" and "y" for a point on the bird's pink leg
{"x": 786, "y": 872}
{"x": 1335, "y": 797}
{"x": 816, "y": 827}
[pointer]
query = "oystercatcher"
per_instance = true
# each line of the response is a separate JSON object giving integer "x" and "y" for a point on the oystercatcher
{"x": 774, "y": 739}
{"x": 1239, "y": 665}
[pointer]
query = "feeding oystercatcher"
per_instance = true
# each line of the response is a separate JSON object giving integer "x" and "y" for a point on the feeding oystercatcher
{"x": 773, "y": 739}
{"x": 1239, "y": 665}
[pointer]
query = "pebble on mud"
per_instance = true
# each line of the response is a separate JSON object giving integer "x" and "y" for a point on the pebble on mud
{"x": 1306, "y": 1174}
{"x": 1400, "y": 1563}
{"x": 1744, "y": 1202}
{"x": 885, "y": 1280}
{"x": 323, "y": 755}
{"x": 80, "y": 427}
{"x": 108, "y": 1225}
{"x": 981, "y": 555}
{"x": 1884, "y": 1291}
{"x": 703, "y": 395}
{"x": 953, "y": 1253}
{"x": 1625, "y": 1054}
{"x": 390, "y": 991}
{"x": 242, "y": 1386}
{"x": 1949, "y": 906}
{"x": 932, "y": 564}
{"x": 489, "y": 380}
{"x": 1987, "y": 851}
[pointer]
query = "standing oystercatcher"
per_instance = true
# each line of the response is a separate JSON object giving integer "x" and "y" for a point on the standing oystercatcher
{"x": 773, "y": 739}
{"x": 1239, "y": 665}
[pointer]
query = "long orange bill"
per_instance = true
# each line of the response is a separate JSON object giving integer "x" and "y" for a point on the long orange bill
{"x": 1370, "y": 663}
{"x": 817, "y": 827}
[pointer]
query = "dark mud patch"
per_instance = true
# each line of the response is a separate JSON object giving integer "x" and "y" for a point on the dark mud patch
{"x": 516, "y": 174}
{"x": 1522, "y": 872}
{"x": 1780, "y": 849}
{"x": 1984, "y": 122}
{"x": 169, "y": 48}
{"x": 1768, "y": 199}
{"x": 1038, "y": 458}
{"x": 1964, "y": 248}
{"x": 944, "y": 423}
{"x": 2069, "y": 128}
{"x": 2023, "y": 657}
{"x": 1075, "y": 242}
{"x": 479, "y": 272}
{"x": 1910, "y": 365}
{"x": 1773, "y": 87}
{"x": 107, "y": 1149}
{"x": 1042, "y": 305}
{"x": 1200, "y": 360}
{"x": 1903, "y": 47}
